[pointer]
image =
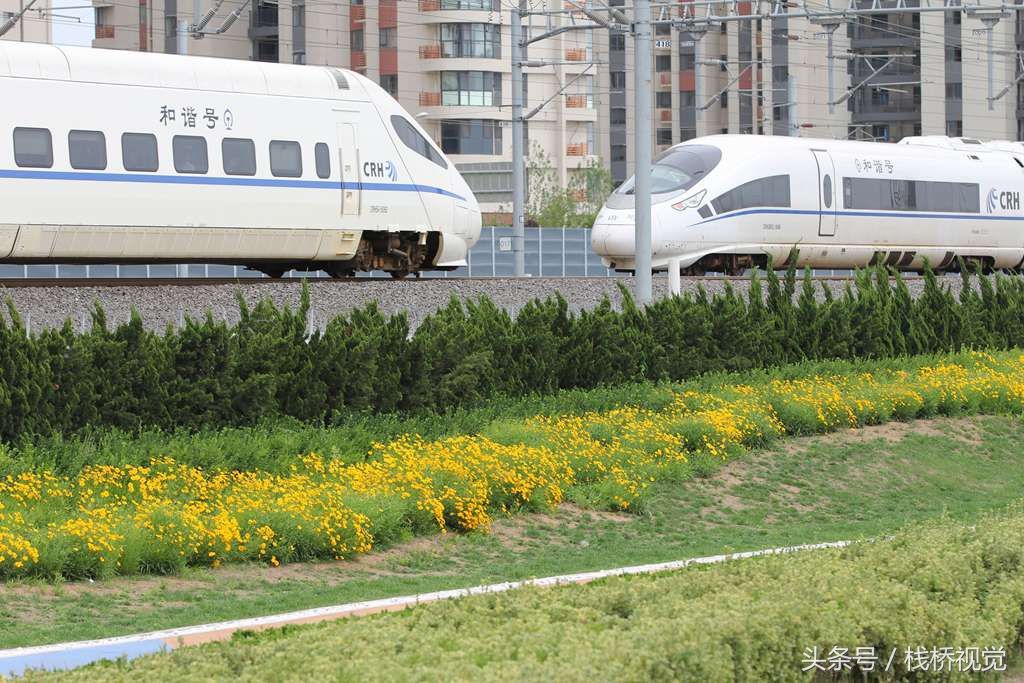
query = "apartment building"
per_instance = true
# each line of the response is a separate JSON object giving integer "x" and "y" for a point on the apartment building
{"x": 35, "y": 25}
{"x": 448, "y": 63}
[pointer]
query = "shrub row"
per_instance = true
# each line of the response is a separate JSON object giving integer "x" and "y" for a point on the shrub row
{"x": 934, "y": 586}
{"x": 210, "y": 374}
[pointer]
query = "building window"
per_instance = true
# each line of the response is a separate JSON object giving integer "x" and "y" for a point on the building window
{"x": 617, "y": 80}
{"x": 357, "y": 41}
{"x": 723, "y": 60}
{"x": 663, "y": 100}
{"x": 470, "y": 89}
{"x": 190, "y": 154}
{"x": 724, "y": 100}
{"x": 664, "y": 136}
{"x": 390, "y": 83}
{"x": 618, "y": 152}
{"x": 239, "y": 156}
{"x": 33, "y": 147}
{"x": 687, "y": 98}
{"x": 487, "y": 5}
{"x": 955, "y": 91}
{"x": 388, "y": 37}
{"x": 662, "y": 30}
{"x": 955, "y": 129}
{"x": 618, "y": 116}
{"x": 471, "y": 40}
{"x": 139, "y": 152}
{"x": 471, "y": 137}
{"x": 686, "y": 61}
{"x": 662, "y": 63}
{"x": 617, "y": 42}
{"x": 87, "y": 150}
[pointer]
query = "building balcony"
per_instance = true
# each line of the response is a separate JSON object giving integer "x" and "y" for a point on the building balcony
{"x": 430, "y": 99}
{"x": 577, "y": 149}
{"x": 665, "y": 115}
{"x": 431, "y": 51}
{"x": 576, "y": 54}
{"x": 898, "y": 37}
{"x": 104, "y": 32}
{"x": 430, "y": 5}
{"x": 885, "y": 114}
{"x": 358, "y": 59}
{"x": 576, "y": 102}
{"x": 665, "y": 79}
{"x": 357, "y": 13}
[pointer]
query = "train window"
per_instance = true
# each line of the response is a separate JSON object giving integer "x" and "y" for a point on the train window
{"x": 826, "y": 191}
{"x": 190, "y": 154}
{"x": 910, "y": 195}
{"x": 415, "y": 141}
{"x": 323, "y": 160}
{"x": 679, "y": 169}
{"x": 87, "y": 150}
{"x": 139, "y": 153}
{"x": 285, "y": 159}
{"x": 33, "y": 147}
{"x": 770, "y": 191}
{"x": 239, "y": 156}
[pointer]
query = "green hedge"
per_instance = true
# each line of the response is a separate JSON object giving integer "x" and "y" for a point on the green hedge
{"x": 210, "y": 374}
{"x": 937, "y": 585}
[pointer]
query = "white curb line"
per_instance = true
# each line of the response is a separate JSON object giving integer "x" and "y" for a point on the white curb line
{"x": 14, "y": 662}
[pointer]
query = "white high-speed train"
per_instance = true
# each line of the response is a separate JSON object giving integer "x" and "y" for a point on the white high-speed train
{"x": 728, "y": 202}
{"x": 118, "y": 157}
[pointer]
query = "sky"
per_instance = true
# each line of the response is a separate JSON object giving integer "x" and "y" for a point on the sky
{"x": 73, "y": 26}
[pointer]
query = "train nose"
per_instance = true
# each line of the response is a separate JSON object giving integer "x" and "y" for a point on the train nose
{"x": 613, "y": 234}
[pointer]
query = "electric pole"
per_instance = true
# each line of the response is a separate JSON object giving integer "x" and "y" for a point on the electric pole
{"x": 518, "y": 157}
{"x": 643, "y": 91}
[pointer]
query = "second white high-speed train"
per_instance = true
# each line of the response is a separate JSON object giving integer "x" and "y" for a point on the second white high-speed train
{"x": 728, "y": 202}
{"x": 109, "y": 156}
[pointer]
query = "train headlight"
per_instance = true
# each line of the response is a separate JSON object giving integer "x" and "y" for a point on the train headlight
{"x": 691, "y": 202}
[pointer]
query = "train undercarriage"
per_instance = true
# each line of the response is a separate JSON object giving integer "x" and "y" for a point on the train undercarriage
{"x": 397, "y": 253}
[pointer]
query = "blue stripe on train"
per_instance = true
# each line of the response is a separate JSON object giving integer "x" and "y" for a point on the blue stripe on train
{"x": 875, "y": 214}
{"x": 20, "y": 174}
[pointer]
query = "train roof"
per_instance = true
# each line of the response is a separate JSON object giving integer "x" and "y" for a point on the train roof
{"x": 120, "y": 67}
{"x": 911, "y": 146}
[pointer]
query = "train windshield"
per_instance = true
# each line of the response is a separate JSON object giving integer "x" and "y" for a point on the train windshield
{"x": 680, "y": 168}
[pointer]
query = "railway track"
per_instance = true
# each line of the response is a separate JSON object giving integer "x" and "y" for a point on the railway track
{"x": 16, "y": 283}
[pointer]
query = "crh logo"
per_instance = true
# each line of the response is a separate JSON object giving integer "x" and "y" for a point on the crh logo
{"x": 381, "y": 169}
{"x": 1004, "y": 200}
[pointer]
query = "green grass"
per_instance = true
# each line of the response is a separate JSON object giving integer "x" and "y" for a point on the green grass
{"x": 838, "y": 486}
{"x": 937, "y": 584}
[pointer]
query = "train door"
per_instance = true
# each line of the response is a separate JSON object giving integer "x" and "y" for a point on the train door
{"x": 827, "y": 209}
{"x": 348, "y": 162}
